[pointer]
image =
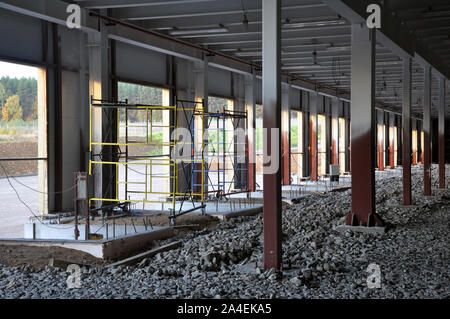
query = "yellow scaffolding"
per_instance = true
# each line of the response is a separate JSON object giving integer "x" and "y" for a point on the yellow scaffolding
{"x": 147, "y": 165}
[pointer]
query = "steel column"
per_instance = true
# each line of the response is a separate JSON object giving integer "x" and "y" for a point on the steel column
{"x": 201, "y": 95}
{"x": 313, "y": 101}
{"x": 442, "y": 133}
{"x": 98, "y": 89}
{"x": 250, "y": 107}
{"x": 363, "y": 127}
{"x": 271, "y": 34}
{"x": 427, "y": 132}
{"x": 406, "y": 131}
{"x": 285, "y": 134}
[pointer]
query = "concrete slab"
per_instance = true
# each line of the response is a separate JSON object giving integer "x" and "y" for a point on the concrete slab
{"x": 361, "y": 229}
{"x": 242, "y": 212}
{"x": 106, "y": 249}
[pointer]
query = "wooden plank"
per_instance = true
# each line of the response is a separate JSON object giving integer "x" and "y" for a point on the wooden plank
{"x": 149, "y": 253}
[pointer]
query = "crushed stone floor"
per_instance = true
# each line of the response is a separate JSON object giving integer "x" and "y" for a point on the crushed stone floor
{"x": 319, "y": 262}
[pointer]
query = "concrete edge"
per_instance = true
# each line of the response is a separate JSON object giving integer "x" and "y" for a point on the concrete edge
{"x": 243, "y": 212}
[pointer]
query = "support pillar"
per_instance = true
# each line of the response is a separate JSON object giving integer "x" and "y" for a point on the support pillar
{"x": 201, "y": 95}
{"x": 406, "y": 130}
{"x": 363, "y": 127}
{"x": 427, "y": 132}
{"x": 285, "y": 134}
{"x": 442, "y": 133}
{"x": 271, "y": 35}
{"x": 98, "y": 89}
{"x": 313, "y": 160}
{"x": 250, "y": 107}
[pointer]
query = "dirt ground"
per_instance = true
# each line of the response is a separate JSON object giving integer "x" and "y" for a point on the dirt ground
{"x": 38, "y": 257}
{"x": 19, "y": 149}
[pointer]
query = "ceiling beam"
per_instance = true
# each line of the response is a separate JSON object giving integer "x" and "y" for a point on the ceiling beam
{"x": 115, "y": 4}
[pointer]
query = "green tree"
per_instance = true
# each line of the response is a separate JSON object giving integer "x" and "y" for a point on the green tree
{"x": 2, "y": 95}
{"x": 12, "y": 110}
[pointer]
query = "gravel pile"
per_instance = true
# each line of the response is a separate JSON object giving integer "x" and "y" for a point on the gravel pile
{"x": 319, "y": 262}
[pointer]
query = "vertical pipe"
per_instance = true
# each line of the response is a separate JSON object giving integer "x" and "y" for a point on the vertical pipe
{"x": 271, "y": 34}
{"x": 406, "y": 130}
{"x": 442, "y": 133}
{"x": 363, "y": 127}
{"x": 427, "y": 132}
{"x": 392, "y": 163}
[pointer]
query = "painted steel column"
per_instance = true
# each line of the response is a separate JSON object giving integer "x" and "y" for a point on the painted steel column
{"x": 285, "y": 134}
{"x": 406, "y": 131}
{"x": 271, "y": 35}
{"x": 442, "y": 133}
{"x": 98, "y": 89}
{"x": 201, "y": 95}
{"x": 427, "y": 132}
{"x": 363, "y": 127}
{"x": 335, "y": 131}
{"x": 250, "y": 107}
{"x": 313, "y": 164}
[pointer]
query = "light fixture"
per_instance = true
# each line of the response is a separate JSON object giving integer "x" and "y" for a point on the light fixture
{"x": 333, "y": 48}
{"x": 305, "y": 24}
{"x": 302, "y": 67}
{"x": 220, "y": 29}
{"x": 248, "y": 53}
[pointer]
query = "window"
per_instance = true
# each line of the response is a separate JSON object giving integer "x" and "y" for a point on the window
{"x": 414, "y": 147}
{"x": 222, "y": 170}
{"x": 342, "y": 133}
{"x": 149, "y": 132}
{"x": 259, "y": 146}
{"x": 296, "y": 145}
{"x": 23, "y": 146}
{"x": 321, "y": 145}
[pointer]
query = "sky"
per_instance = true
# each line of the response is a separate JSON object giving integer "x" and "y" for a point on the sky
{"x": 17, "y": 70}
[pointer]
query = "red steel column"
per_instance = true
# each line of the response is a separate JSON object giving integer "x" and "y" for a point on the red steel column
{"x": 442, "y": 133}
{"x": 427, "y": 132}
{"x": 406, "y": 130}
{"x": 363, "y": 127}
{"x": 271, "y": 35}
{"x": 313, "y": 100}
